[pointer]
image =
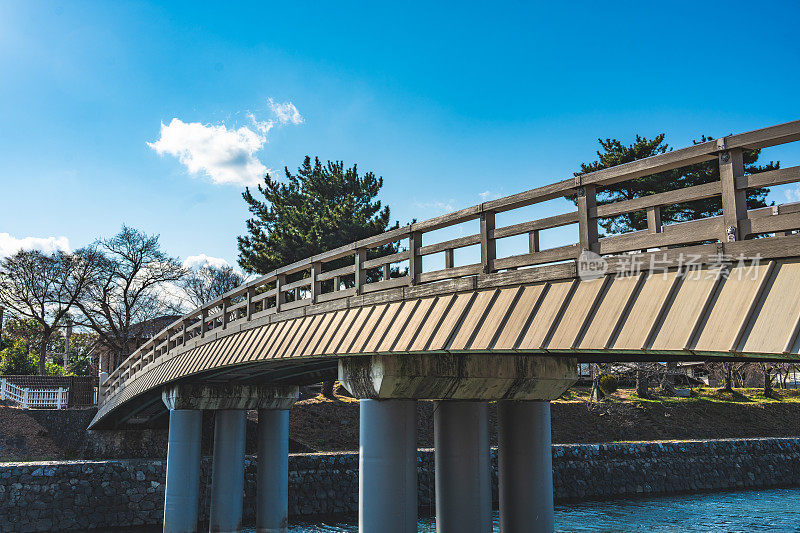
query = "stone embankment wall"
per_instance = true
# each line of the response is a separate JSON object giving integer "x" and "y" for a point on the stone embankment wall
{"x": 81, "y": 495}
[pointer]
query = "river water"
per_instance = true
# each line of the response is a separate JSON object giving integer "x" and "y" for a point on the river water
{"x": 775, "y": 510}
{"x": 752, "y": 511}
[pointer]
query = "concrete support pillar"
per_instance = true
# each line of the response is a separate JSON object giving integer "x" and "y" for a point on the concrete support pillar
{"x": 183, "y": 471}
{"x": 525, "y": 467}
{"x": 387, "y": 483}
{"x": 227, "y": 481}
{"x": 463, "y": 482}
{"x": 272, "y": 484}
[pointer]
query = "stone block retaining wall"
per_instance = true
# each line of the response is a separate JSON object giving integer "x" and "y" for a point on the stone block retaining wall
{"x": 80, "y": 495}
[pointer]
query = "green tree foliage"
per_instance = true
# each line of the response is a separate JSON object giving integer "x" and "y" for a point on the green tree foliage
{"x": 23, "y": 336}
{"x": 17, "y": 360}
{"x": 319, "y": 208}
{"x": 608, "y": 384}
{"x": 613, "y": 153}
{"x": 43, "y": 287}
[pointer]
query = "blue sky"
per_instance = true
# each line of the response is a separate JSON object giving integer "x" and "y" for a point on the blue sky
{"x": 450, "y": 103}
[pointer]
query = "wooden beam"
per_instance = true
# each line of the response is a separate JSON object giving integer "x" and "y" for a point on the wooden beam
{"x": 360, "y": 257}
{"x": 654, "y": 219}
{"x": 587, "y": 224}
{"x": 414, "y": 257}
{"x": 316, "y": 284}
{"x": 488, "y": 242}
{"x": 533, "y": 241}
{"x": 449, "y": 258}
{"x": 734, "y": 201}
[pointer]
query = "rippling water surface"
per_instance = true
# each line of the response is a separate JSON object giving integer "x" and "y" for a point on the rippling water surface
{"x": 776, "y": 510}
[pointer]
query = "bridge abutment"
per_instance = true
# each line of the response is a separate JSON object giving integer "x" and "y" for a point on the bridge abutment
{"x": 186, "y": 403}
{"x": 388, "y": 385}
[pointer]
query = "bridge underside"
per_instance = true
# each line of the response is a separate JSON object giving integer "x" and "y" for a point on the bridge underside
{"x": 750, "y": 313}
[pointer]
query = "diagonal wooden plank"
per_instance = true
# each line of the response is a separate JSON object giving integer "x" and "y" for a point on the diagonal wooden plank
{"x": 496, "y": 318}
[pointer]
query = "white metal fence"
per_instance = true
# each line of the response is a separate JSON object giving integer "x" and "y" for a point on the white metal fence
{"x": 34, "y": 398}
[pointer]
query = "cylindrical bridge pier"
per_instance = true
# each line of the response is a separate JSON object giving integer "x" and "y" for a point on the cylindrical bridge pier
{"x": 227, "y": 483}
{"x": 272, "y": 480}
{"x": 463, "y": 482}
{"x": 183, "y": 471}
{"x": 387, "y": 483}
{"x": 525, "y": 467}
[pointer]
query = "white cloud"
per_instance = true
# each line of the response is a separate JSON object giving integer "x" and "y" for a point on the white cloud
{"x": 793, "y": 195}
{"x": 10, "y": 245}
{"x": 286, "y": 112}
{"x": 436, "y": 205}
{"x": 201, "y": 260}
{"x": 226, "y": 156}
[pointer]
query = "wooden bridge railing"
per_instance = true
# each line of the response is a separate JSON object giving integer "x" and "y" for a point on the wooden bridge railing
{"x": 327, "y": 276}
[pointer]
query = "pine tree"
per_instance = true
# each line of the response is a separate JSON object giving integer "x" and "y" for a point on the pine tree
{"x": 615, "y": 153}
{"x": 319, "y": 208}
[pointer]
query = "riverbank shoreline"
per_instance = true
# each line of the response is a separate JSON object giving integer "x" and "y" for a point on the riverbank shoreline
{"x": 86, "y": 494}
{"x": 324, "y": 425}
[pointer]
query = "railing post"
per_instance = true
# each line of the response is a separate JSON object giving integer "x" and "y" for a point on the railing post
{"x": 225, "y": 302}
{"x": 449, "y": 258}
{"x": 414, "y": 259}
{"x": 2, "y": 389}
{"x": 488, "y": 243}
{"x": 25, "y": 397}
{"x": 734, "y": 201}
{"x": 533, "y": 241}
{"x": 361, "y": 256}
{"x": 203, "y": 317}
{"x": 185, "y": 336}
{"x": 654, "y": 219}
{"x": 280, "y": 297}
{"x": 251, "y": 292}
{"x": 587, "y": 225}
{"x": 316, "y": 285}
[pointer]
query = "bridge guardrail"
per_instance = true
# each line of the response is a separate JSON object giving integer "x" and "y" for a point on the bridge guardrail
{"x": 374, "y": 267}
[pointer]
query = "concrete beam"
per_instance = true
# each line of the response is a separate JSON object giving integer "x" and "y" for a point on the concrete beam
{"x": 223, "y": 396}
{"x": 458, "y": 376}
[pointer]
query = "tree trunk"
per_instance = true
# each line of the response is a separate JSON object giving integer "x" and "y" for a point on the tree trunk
{"x": 767, "y": 381}
{"x": 668, "y": 381}
{"x": 728, "y": 377}
{"x": 641, "y": 381}
{"x": 42, "y": 355}
{"x": 596, "y": 394}
{"x": 327, "y": 389}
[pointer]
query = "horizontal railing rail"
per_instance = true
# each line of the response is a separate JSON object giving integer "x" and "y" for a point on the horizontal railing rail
{"x": 324, "y": 277}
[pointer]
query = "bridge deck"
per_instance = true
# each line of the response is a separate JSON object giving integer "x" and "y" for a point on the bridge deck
{"x": 704, "y": 288}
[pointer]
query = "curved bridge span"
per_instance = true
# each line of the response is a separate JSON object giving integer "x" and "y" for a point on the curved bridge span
{"x": 721, "y": 287}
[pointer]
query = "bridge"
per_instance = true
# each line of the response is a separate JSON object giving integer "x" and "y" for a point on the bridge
{"x": 396, "y": 319}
